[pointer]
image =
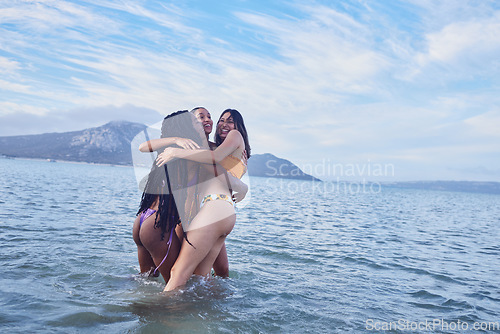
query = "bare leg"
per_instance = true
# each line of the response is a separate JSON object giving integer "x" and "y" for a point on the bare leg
{"x": 207, "y": 263}
{"x": 207, "y": 241}
{"x": 146, "y": 262}
{"x": 221, "y": 264}
{"x": 191, "y": 259}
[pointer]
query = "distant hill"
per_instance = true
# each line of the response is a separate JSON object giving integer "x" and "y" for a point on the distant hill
{"x": 110, "y": 144}
{"x": 268, "y": 165}
{"x": 107, "y": 144}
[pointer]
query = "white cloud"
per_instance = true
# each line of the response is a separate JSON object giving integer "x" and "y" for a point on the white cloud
{"x": 14, "y": 87}
{"x": 325, "y": 82}
{"x": 8, "y": 66}
{"x": 486, "y": 125}
{"x": 329, "y": 58}
{"x": 26, "y": 119}
{"x": 11, "y": 108}
{"x": 47, "y": 16}
{"x": 475, "y": 41}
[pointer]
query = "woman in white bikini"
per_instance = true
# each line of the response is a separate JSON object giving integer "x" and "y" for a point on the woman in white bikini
{"x": 206, "y": 232}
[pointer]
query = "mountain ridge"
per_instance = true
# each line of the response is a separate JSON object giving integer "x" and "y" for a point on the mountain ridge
{"x": 110, "y": 144}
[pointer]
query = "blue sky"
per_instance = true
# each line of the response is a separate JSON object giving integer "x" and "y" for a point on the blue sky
{"x": 326, "y": 84}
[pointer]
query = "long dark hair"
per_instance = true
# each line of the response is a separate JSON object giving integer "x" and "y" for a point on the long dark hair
{"x": 180, "y": 124}
{"x": 239, "y": 125}
{"x": 167, "y": 216}
{"x": 185, "y": 175}
{"x": 163, "y": 181}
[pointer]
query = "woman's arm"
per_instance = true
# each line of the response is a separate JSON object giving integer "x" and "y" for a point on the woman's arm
{"x": 239, "y": 187}
{"x": 156, "y": 144}
{"x": 228, "y": 146}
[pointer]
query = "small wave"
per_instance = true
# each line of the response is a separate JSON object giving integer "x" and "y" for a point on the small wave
{"x": 419, "y": 271}
{"x": 423, "y": 294}
{"x": 365, "y": 261}
{"x": 459, "y": 305}
{"x": 433, "y": 307}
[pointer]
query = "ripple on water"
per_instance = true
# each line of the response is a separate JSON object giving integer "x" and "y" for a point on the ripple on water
{"x": 426, "y": 295}
{"x": 424, "y": 272}
{"x": 296, "y": 266}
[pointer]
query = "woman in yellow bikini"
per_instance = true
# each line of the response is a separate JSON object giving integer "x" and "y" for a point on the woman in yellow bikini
{"x": 206, "y": 232}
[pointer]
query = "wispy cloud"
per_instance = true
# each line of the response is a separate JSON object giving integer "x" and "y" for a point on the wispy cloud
{"x": 353, "y": 80}
{"x": 467, "y": 46}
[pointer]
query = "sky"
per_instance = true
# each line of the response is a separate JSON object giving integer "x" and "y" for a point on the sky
{"x": 376, "y": 90}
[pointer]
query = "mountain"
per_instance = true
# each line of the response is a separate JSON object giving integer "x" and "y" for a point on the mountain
{"x": 268, "y": 165}
{"x": 108, "y": 144}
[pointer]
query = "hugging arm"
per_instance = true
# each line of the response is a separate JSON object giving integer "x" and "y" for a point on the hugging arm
{"x": 239, "y": 187}
{"x": 229, "y": 145}
{"x": 157, "y": 144}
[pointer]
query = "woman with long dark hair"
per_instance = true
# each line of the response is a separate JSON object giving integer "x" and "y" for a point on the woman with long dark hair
{"x": 154, "y": 227}
{"x": 154, "y": 231}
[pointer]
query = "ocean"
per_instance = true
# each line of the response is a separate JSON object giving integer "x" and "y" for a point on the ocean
{"x": 304, "y": 257}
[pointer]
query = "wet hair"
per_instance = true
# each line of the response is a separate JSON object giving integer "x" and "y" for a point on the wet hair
{"x": 197, "y": 108}
{"x": 184, "y": 124}
{"x": 167, "y": 216}
{"x": 162, "y": 181}
{"x": 180, "y": 124}
{"x": 238, "y": 125}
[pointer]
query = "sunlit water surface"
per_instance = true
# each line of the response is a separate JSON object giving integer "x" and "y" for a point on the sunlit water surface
{"x": 303, "y": 258}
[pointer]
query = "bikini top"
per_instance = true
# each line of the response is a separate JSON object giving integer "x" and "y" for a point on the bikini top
{"x": 235, "y": 166}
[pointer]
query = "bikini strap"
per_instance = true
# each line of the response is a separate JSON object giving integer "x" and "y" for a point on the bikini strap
{"x": 169, "y": 243}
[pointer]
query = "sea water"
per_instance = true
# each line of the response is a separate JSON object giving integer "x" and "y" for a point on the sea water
{"x": 303, "y": 258}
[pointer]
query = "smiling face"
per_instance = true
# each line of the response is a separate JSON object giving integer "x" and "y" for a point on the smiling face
{"x": 225, "y": 125}
{"x": 203, "y": 116}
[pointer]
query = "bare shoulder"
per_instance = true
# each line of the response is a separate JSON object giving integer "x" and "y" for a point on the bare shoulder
{"x": 235, "y": 135}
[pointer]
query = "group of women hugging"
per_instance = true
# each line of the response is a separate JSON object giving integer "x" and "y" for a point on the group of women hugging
{"x": 187, "y": 205}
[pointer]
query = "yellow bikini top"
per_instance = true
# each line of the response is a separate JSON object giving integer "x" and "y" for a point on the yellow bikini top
{"x": 234, "y": 166}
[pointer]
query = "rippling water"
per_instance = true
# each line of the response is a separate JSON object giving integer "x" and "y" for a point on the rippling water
{"x": 302, "y": 258}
